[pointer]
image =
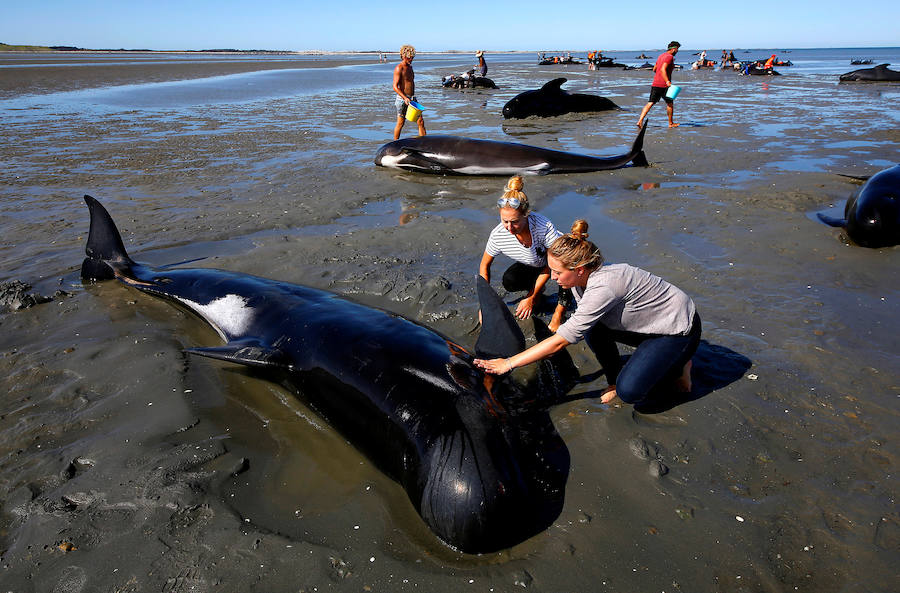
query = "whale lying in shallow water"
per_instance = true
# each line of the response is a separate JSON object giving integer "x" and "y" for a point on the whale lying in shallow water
{"x": 880, "y": 73}
{"x": 455, "y": 155}
{"x": 478, "y": 456}
{"x": 872, "y": 216}
{"x": 550, "y": 100}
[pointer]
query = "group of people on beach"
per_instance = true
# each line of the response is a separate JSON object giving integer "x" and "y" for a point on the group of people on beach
{"x": 609, "y": 303}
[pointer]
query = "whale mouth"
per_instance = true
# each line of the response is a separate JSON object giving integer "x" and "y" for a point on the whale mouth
{"x": 390, "y": 160}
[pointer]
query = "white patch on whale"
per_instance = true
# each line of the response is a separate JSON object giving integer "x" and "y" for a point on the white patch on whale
{"x": 392, "y": 160}
{"x": 535, "y": 169}
{"x": 399, "y": 161}
{"x": 229, "y": 315}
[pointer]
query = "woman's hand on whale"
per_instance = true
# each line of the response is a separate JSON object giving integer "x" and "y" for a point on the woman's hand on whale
{"x": 541, "y": 350}
{"x": 495, "y": 366}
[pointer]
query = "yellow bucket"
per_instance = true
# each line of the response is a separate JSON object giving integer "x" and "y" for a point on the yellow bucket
{"x": 413, "y": 111}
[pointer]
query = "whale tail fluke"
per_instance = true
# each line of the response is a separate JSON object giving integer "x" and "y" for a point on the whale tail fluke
{"x": 105, "y": 251}
{"x": 831, "y": 220}
{"x": 637, "y": 149}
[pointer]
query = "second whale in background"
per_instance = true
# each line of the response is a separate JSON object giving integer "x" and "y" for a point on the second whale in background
{"x": 456, "y": 155}
{"x": 551, "y": 100}
{"x": 880, "y": 73}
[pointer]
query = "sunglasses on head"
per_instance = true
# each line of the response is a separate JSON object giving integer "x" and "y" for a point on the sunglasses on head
{"x": 511, "y": 202}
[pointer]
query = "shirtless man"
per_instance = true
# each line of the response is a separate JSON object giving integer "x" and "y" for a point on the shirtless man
{"x": 405, "y": 87}
{"x": 662, "y": 80}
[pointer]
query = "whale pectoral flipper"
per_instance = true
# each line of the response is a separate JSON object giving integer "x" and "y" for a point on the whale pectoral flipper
{"x": 423, "y": 161}
{"x": 247, "y": 353}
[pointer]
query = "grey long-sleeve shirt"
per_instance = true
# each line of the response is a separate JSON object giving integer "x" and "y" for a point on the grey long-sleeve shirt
{"x": 624, "y": 297}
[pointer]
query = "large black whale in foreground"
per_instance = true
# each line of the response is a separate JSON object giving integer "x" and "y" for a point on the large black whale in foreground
{"x": 879, "y": 73}
{"x": 455, "y": 155}
{"x": 551, "y": 100}
{"x": 872, "y": 216}
{"x": 478, "y": 456}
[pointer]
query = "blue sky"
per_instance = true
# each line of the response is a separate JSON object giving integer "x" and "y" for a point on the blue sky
{"x": 455, "y": 24}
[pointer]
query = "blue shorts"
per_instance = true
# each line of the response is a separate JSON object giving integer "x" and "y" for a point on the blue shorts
{"x": 400, "y": 104}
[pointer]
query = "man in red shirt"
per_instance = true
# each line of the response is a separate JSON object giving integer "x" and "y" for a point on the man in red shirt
{"x": 662, "y": 80}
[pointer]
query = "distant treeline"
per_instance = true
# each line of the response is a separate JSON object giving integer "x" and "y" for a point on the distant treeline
{"x": 7, "y": 47}
{"x": 72, "y": 48}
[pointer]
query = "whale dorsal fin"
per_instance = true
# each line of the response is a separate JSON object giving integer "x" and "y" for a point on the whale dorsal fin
{"x": 248, "y": 353}
{"x": 105, "y": 251}
{"x": 554, "y": 85}
{"x": 500, "y": 335}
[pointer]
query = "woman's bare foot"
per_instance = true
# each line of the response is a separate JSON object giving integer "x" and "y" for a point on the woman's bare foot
{"x": 608, "y": 395}
{"x": 683, "y": 383}
{"x": 674, "y": 125}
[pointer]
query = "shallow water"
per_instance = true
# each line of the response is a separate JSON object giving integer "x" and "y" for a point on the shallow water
{"x": 167, "y": 472}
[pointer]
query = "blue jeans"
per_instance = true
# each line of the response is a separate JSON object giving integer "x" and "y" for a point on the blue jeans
{"x": 656, "y": 360}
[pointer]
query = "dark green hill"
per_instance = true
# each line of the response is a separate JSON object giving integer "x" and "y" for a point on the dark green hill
{"x": 5, "y": 47}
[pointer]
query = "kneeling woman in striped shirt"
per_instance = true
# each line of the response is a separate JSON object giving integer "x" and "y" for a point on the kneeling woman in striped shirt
{"x": 523, "y": 236}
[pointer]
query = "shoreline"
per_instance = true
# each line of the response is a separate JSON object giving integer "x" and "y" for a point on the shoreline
{"x": 133, "y": 466}
{"x": 313, "y": 52}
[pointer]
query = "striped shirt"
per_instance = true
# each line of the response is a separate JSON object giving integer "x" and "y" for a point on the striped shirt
{"x": 543, "y": 233}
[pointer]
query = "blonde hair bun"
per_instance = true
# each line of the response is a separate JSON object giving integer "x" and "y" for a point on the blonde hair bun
{"x": 513, "y": 189}
{"x": 580, "y": 229}
{"x": 515, "y": 183}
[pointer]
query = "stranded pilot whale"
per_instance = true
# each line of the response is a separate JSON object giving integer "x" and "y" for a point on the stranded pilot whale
{"x": 872, "y": 216}
{"x": 879, "y": 73}
{"x": 550, "y": 100}
{"x": 478, "y": 456}
{"x": 455, "y": 155}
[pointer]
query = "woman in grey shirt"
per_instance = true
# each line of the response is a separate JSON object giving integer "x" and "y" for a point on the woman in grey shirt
{"x": 618, "y": 303}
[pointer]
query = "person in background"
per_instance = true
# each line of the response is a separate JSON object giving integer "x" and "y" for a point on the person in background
{"x": 618, "y": 303}
{"x": 482, "y": 65}
{"x": 523, "y": 236}
{"x": 405, "y": 87}
{"x": 662, "y": 80}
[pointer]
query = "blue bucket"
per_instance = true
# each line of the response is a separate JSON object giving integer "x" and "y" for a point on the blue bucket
{"x": 673, "y": 91}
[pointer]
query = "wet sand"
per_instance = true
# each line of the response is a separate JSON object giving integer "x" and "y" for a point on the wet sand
{"x": 126, "y": 465}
